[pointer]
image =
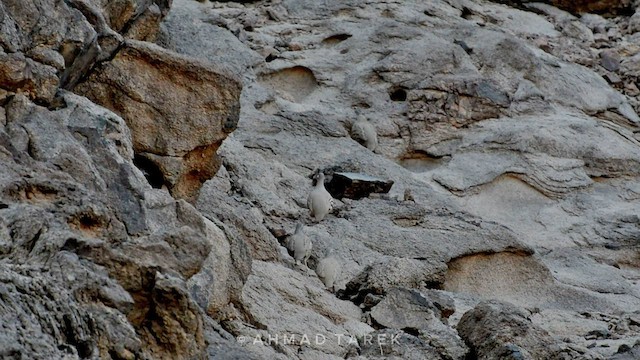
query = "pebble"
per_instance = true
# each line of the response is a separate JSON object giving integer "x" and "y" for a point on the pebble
{"x": 610, "y": 60}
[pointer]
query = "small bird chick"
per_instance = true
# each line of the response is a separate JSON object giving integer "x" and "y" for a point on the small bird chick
{"x": 408, "y": 196}
{"x": 300, "y": 245}
{"x": 364, "y": 132}
{"x": 329, "y": 270}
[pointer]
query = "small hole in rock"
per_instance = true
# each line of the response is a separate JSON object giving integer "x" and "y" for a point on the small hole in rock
{"x": 334, "y": 39}
{"x": 466, "y": 13}
{"x": 270, "y": 58}
{"x": 398, "y": 95}
{"x": 88, "y": 221}
{"x": 70, "y": 245}
{"x": 150, "y": 170}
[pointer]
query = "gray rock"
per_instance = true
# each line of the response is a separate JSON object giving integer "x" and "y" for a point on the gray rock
{"x": 521, "y": 161}
{"x": 634, "y": 23}
{"x": 62, "y": 203}
{"x": 21, "y": 74}
{"x": 578, "y": 30}
{"x": 62, "y": 51}
{"x": 190, "y": 29}
{"x": 395, "y": 344}
{"x": 612, "y": 78}
{"x": 496, "y": 330}
{"x": 383, "y": 276}
{"x": 416, "y": 313}
{"x": 627, "y": 353}
{"x": 182, "y": 129}
{"x": 610, "y": 60}
{"x": 275, "y": 306}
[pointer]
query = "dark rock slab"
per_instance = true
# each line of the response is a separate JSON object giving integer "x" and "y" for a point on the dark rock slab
{"x": 608, "y": 7}
{"x": 356, "y": 186}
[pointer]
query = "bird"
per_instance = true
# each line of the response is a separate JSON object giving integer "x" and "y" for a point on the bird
{"x": 364, "y": 132}
{"x": 319, "y": 202}
{"x": 329, "y": 270}
{"x": 408, "y": 196}
{"x": 300, "y": 245}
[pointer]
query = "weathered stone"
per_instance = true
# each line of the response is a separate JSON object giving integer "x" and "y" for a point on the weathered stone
{"x": 183, "y": 127}
{"x": 610, "y": 60}
{"x": 496, "y": 330}
{"x": 627, "y": 353}
{"x": 201, "y": 109}
{"x": 402, "y": 309}
{"x": 128, "y": 276}
{"x": 23, "y": 75}
{"x": 244, "y": 223}
{"x": 612, "y": 78}
{"x": 519, "y": 161}
{"x": 63, "y": 46}
{"x": 395, "y": 344}
{"x": 222, "y": 275}
{"x": 277, "y": 307}
{"x": 384, "y": 276}
{"x": 634, "y": 23}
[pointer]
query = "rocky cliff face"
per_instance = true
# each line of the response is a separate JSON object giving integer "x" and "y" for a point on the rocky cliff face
{"x": 154, "y": 156}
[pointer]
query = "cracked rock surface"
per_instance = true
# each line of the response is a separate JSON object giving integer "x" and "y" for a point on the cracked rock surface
{"x": 154, "y": 156}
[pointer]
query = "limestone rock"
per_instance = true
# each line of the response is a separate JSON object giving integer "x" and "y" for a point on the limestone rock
{"x": 179, "y": 130}
{"x": 401, "y": 309}
{"x": 395, "y": 344}
{"x": 520, "y": 151}
{"x": 297, "y": 307}
{"x": 197, "y": 113}
{"x": 634, "y": 22}
{"x": 63, "y": 46}
{"x": 496, "y": 330}
{"x": 627, "y": 352}
{"x": 383, "y": 276}
{"x": 610, "y": 60}
{"x": 190, "y": 29}
{"x": 117, "y": 252}
{"x": 23, "y": 75}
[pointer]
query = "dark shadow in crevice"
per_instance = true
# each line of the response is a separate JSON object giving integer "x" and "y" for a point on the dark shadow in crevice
{"x": 151, "y": 171}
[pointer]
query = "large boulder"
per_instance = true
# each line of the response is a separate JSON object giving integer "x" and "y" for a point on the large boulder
{"x": 132, "y": 269}
{"x": 178, "y": 130}
{"x": 498, "y": 330}
{"x": 42, "y": 53}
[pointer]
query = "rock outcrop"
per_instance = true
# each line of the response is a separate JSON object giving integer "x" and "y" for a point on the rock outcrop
{"x": 177, "y": 131}
{"x": 154, "y": 155}
{"x": 497, "y": 330}
{"x": 95, "y": 262}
